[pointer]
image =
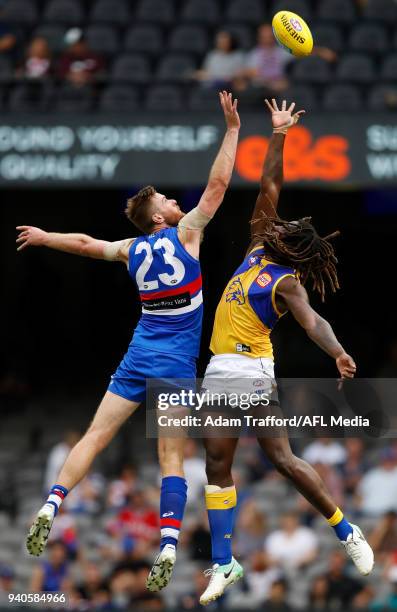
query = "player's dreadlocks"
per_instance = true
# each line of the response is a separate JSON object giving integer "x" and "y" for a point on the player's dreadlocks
{"x": 298, "y": 245}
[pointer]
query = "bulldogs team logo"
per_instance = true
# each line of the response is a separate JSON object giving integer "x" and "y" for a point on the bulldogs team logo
{"x": 296, "y": 24}
{"x": 264, "y": 279}
{"x": 235, "y": 292}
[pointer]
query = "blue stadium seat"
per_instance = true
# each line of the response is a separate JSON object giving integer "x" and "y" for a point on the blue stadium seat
{"x": 74, "y": 100}
{"x": 340, "y": 11}
{"x": 144, "y": 38}
{"x": 356, "y": 68}
{"x": 243, "y": 34}
{"x": 110, "y": 12}
{"x": 189, "y": 38}
{"x": 156, "y": 11}
{"x": 20, "y": 12}
{"x": 31, "y": 97}
{"x": 389, "y": 68}
{"x": 300, "y": 7}
{"x": 54, "y": 35}
{"x": 164, "y": 98}
{"x": 204, "y": 99}
{"x": 131, "y": 68}
{"x": 201, "y": 11}
{"x": 311, "y": 69}
{"x": 369, "y": 37}
{"x": 103, "y": 39}
{"x": 69, "y": 12}
{"x": 328, "y": 35}
{"x": 381, "y": 10}
{"x": 175, "y": 68}
{"x": 6, "y": 71}
{"x": 344, "y": 98}
{"x": 304, "y": 96}
{"x": 119, "y": 98}
{"x": 383, "y": 97}
{"x": 246, "y": 11}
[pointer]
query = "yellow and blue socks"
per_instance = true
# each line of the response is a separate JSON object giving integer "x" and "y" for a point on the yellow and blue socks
{"x": 340, "y": 525}
{"x": 221, "y": 506}
{"x": 172, "y": 506}
{"x": 56, "y": 496}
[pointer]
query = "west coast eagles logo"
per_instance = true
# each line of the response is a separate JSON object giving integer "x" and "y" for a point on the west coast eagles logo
{"x": 253, "y": 260}
{"x": 235, "y": 292}
{"x": 264, "y": 279}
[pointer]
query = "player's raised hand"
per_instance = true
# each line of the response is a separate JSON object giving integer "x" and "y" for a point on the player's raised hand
{"x": 346, "y": 366}
{"x": 229, "y": 107}
{"x": 30, "y": 236}
{"x": 283, "y": 118}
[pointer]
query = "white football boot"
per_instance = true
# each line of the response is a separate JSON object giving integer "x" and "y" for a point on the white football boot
{"x": 40, "y": 530}
{"x": 359, "y": 551}
{"x": 221, "y": 576}
{"x": 161, "y": 572}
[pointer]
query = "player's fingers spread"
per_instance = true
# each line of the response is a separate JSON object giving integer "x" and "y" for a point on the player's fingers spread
{"x": 269, "y": 106}
{"x": 275, "y": 107}
{"x": 284, "y": 105}
{"x": 22, "y": 227}
{"x": 235, "y": 104}
{"x": 291, "y": 107}
{"x": 21, "y": 239}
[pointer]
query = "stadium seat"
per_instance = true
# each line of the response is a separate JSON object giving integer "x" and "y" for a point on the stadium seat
{"x": 389, "y": 68}
{"x": 20, "y": 12}
{"x": 156, "y": 11}
{"x": 381, "y": 10}
{"x": 74, "y": 100}
{"x": 190, "y": 39}
{"x": 69, "y": 12}
{"x": 340, "y": 11}
{"x": 300, "y": 7}
{"x": 164, "y": 97}
{"x": 103, "y": 39}
{"x": 246, "y": 11}
{"x": 175, "y": 67}
{"x": 204, "y": 98}
{"x": 304, "y": 96}
{"x": 110, "y": 11}
{"x": 205, "y": 11}
{"x": 370, "y": 37}
{"x": 119, "y": 98}
{"x": 383, "y": 97}
{"x": 131, "y": 68}
{"x": 30, "y": 97}
{"x": 6, "y": 71}
{"x": 242, "y": 33}
{"x": 311, "y": 69}
{"x": 356, "y": 68}
{"x": 53, "y": 34}
{"x": 145, "y": 38}
{"x": 328, "y": 35}
{"x": 345, "y": 98}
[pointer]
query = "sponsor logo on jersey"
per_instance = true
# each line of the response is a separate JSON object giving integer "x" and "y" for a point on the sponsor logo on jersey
{"x": 242, "y": 348}
{"x": 235, "y": 292}
{"x": 170, "y": 302}
{"x": 253, "y": 260}
{"x": 264, "y": 279}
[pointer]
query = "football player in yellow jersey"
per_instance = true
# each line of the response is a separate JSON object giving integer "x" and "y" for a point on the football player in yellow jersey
{"x": 282, "y": 256}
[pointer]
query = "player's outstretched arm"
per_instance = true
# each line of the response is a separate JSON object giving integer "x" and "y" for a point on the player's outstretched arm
{"x": 295, "y": 299}
{"x": 222, "y": 168}
{"x": 272, "y": 173}
{"x": 75, "y": 244}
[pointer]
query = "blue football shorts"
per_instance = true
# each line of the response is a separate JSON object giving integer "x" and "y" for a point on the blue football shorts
{"x": 139, "y": 364}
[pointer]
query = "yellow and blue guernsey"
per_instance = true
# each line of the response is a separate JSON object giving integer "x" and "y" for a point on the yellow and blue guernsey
{"x": 247, "y": 311}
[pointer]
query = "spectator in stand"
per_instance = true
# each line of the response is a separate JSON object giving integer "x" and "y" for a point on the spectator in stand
{"x": 64, "y": 531}
{"x": 53, "y": 573}
{"x": 57, "y": 457}
{"x": 86, "y": 497}
{"x": 8, "y": 40}
{"x": 259, "y": 578}
{"x": 120, "y": 489}
{"x": 79, "y": 64}
{"x": 342, "y": 589}
{"x": 318, "y": 596}
{"x": 377, "y": 490}
{"x": 325, "y": 450}
{"x": 195, "y": 475}
{"x": 37, "y": 64}
{"x": 7, "y": 580}
{"x": 292, "y": 546}
{"x": 277, "y": 601}
{"x": 222, "y": 64}
{"x": 250, "y": 529}
{"x": 92, "y": 583}
{"x": 354, "y": 466}
{"x": 383, "y": 538}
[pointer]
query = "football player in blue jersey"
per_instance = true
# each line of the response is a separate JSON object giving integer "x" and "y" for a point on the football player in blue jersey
{"x": 164, "y": 264}
{"x": 281, "y": 257}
